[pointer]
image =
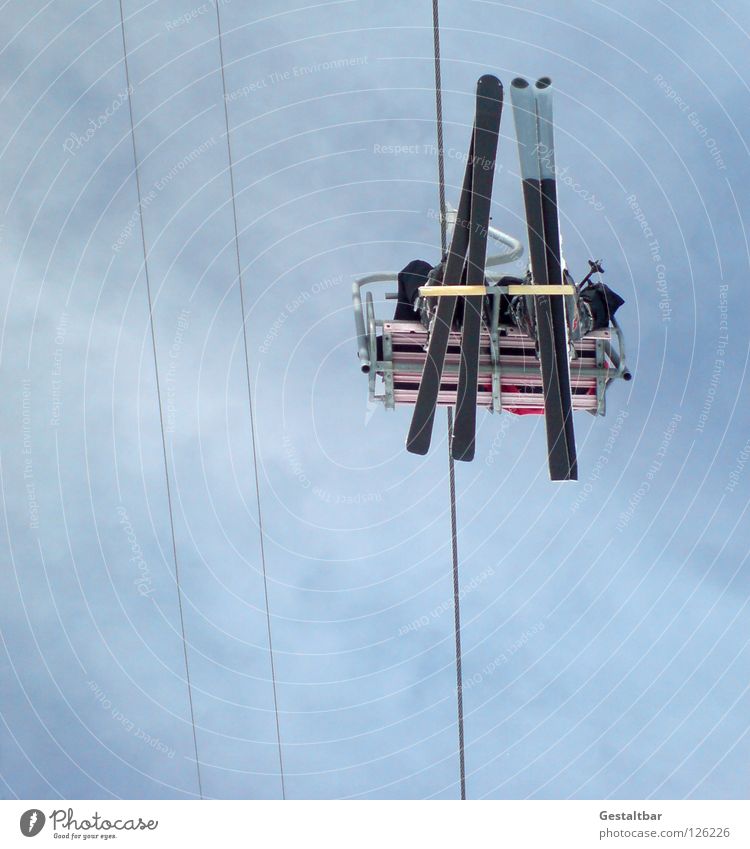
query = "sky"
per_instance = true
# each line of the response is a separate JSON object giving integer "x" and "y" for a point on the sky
{"x": 605, "y": 622}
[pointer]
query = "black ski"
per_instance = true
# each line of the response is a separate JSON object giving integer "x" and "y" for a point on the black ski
{"x": 420, "y": 431}
{"x": 566, "y": 460}
{"x": 487, "y": 125}
{"x": 532, "y": 110}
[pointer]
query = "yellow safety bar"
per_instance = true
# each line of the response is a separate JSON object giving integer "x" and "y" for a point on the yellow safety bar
{"x": 468, "y": 291}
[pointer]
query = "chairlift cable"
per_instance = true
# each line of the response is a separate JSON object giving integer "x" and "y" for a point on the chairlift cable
{"x": 158, "y": 396}
{"x": 451, "y": 466}
{"x": 250, "y": 405}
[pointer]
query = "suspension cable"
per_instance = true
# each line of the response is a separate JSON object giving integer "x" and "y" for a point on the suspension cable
{"x": 250, "y": 402}
{"x": 451, "y": 467}
{"x": 158, "y": 397}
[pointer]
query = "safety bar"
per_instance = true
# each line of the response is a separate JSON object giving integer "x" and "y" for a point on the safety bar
{"x": 525, "y": 289}
{"x": 516, "y": 248}
{"x": 618, "y": 357}
{"x": 359, "y": 318}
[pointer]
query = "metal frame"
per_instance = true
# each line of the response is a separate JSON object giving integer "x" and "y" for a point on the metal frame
{"x": 609, "y": 347}
{"x": 610, "y": 361}
{"x": 366, "y": 360}
{"x": 515, "y": 248}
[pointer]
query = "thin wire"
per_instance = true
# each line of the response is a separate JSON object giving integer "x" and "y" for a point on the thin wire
{"x": 158, "y": 396}
{"x": 451, "y": 467}
{"x": 439, "y": 115}
{"x": 250, "y": 403}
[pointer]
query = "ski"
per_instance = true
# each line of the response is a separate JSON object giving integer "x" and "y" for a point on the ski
{"x": 487, "y": 125}
{"x": 423, "y": 417}
{"x": 532, "y": 111}
{"x": 566, "y": 461}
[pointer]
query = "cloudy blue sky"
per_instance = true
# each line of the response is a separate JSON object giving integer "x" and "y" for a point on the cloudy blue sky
{"x": 606, "y": 622}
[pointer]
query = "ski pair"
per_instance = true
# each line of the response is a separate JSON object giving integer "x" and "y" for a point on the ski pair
{"x": 532, "y": 112}
{"x": 469, "y": 237}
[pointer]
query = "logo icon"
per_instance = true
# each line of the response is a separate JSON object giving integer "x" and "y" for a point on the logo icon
{"x": 32, "y": 822}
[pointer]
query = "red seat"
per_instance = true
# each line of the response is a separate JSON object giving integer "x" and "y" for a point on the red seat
{"x": 520, "y": 375}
